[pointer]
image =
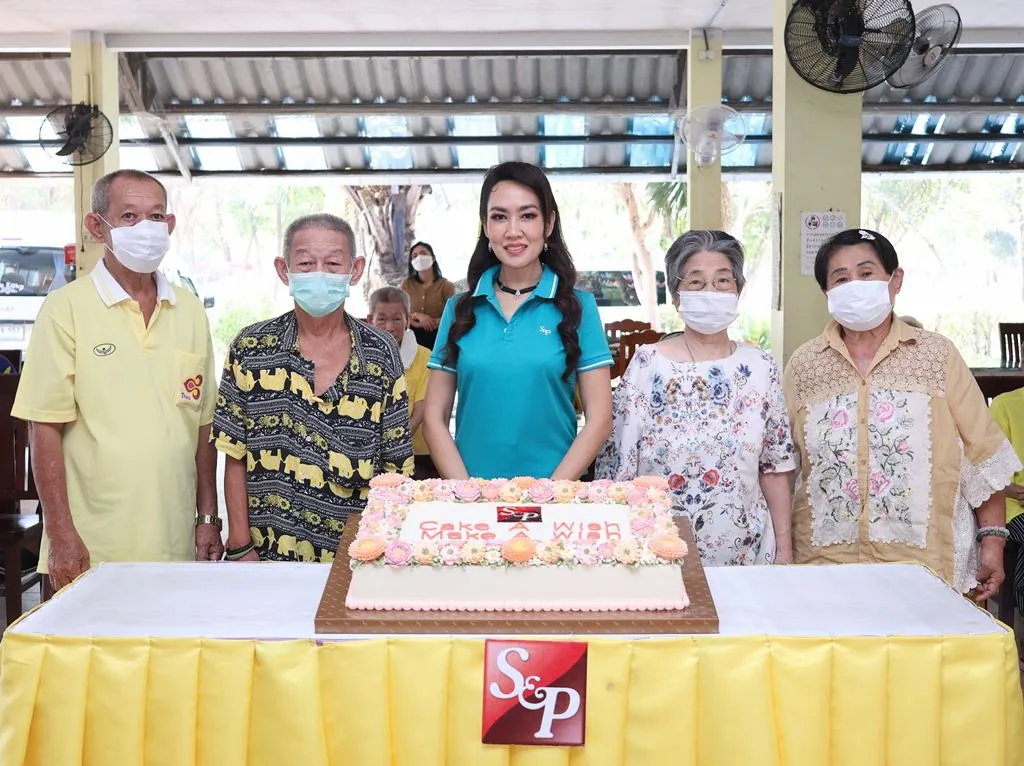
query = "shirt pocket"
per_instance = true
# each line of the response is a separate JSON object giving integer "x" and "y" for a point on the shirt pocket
{"x": 189, "y": 380}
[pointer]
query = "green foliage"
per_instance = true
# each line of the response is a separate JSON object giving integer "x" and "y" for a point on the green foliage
{"x": 753, "y": 330}
{"x": 1001, "y": 243}
{"x": 237, "y": 315}
{"x": 973, "y": 332}
{"x": 669, "y": 198}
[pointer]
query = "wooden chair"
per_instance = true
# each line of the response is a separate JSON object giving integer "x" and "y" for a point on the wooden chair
{"x": 1011, "y": 344}
{"x": 16, "y": 485}
{"x": 614, "y": 331}
{"x": 628, "y": 344}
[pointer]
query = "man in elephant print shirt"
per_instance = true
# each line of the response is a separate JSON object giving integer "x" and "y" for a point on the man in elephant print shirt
{"x": 311, "y": 406}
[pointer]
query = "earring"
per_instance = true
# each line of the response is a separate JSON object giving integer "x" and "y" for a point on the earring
{"x": 545, "y": 247}
{"x": 489, "y": 248}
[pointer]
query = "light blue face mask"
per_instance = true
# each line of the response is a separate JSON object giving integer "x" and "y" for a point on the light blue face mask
{"x": 319, "y": 293}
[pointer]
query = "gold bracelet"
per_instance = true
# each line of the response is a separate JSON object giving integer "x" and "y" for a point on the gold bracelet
{"x": 206, "y": 518}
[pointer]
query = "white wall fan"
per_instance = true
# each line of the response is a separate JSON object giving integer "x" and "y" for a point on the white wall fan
{"x": 710, "y": 131}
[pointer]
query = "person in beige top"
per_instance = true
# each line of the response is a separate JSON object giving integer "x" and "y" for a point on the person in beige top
{"x": 900, "y": 459}
{"x": 428, "y": 291}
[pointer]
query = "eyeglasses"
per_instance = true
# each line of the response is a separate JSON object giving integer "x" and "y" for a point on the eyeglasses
{"x": 722, "y": 284}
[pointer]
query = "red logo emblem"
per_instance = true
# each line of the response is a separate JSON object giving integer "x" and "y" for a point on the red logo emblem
{"x": 193, "y": 388}
{"x": 517, "y": 514}
{"x": 535, "y": 692}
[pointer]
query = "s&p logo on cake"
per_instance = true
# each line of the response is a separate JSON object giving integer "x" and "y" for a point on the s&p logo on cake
{"x": 517, "y": 514}
{"x": 535, "y": 692}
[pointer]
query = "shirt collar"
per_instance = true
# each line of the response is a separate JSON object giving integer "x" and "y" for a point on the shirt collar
{"x": 545, "y": 289}
{"x": 356, "y": 362}
{"x": 111, "y": 292}
{"x": 899, "y": 332}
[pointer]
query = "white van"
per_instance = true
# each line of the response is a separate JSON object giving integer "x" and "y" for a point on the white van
{"x": 31, "y": 265}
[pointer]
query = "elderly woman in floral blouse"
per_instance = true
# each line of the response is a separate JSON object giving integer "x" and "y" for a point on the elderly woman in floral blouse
{"x": 900, "y": 459}
{"x": 708, "y": 414}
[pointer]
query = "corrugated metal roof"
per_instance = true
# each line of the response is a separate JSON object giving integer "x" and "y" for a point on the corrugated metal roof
{"x": 441, "y": 113}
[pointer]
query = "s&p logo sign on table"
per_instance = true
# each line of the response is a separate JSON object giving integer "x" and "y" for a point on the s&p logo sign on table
{"x": 535, "y": 693}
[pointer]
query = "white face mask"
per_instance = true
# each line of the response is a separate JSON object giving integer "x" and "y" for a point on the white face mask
{"x": 860, "y": 305}
{"x": 706, "y": 311}
{"x": 141, "y": 248}
{"x": 422, "y": 262}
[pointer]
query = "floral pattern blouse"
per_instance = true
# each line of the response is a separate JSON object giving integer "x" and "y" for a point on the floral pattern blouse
{"x": 711, "y": 428}
{"x": 894, "y": 461}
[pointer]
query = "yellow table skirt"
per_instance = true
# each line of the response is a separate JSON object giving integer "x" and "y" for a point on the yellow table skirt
{"x": 709, "y": 700}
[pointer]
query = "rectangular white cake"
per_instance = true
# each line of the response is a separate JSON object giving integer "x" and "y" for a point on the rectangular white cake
{"x": 516, "y": 545}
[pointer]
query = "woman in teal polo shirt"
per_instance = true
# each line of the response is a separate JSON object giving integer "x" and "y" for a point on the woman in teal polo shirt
{"x": 515, "y": 345}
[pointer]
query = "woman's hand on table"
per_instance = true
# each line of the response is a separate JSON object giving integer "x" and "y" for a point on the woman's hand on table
{"x": 990, "y": 568}
{"x": 67, "y": 559}
{"x": 783, "y": 554}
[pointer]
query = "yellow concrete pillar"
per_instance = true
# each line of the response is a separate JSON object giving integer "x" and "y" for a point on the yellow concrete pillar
{"x": 704, "y": 88}
{"x": 94, "y": 80}
{"x": 816, "y": 168}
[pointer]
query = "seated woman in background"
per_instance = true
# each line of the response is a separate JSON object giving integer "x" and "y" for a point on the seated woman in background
{"x": 709, "y": 414}
{"x": 515, "y": 344}
{"x": 428, "y": 292}
{"x": 900, "y": 458}
{"x": 1008, "y": 412}
{"x": 389, "y": 311}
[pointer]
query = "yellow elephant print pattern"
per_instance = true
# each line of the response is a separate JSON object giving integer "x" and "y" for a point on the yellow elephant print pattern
{"x": 309, "y": 459}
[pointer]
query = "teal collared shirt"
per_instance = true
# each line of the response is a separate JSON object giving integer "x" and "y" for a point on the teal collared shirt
{"x": 515, "y": 414}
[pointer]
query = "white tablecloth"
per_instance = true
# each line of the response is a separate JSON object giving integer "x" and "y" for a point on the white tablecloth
{"x": 279, "y": 601}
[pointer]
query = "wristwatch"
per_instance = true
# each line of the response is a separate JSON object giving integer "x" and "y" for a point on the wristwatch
{"x": 206, "y": 518}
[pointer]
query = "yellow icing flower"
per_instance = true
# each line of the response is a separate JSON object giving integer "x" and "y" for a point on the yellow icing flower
{"x": 366, "y": 548}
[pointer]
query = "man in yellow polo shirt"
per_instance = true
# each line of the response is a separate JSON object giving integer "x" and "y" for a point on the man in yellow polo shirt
{"x": 119, "y": 389}
{"x": 1008, "y": 411}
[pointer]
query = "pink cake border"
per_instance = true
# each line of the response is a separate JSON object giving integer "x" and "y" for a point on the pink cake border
{"x": 655, "y": 540}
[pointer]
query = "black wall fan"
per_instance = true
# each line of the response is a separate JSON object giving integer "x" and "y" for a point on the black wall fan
{"x": 938, "y": 32}
{"x": 83, "y": 131}
{"x": 848, "y": 46}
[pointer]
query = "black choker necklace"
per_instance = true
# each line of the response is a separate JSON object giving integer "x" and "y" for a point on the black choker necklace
{"x": 512, "y": 291}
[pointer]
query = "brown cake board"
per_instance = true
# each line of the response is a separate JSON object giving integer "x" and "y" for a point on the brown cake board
{"x": 333, "y": 617}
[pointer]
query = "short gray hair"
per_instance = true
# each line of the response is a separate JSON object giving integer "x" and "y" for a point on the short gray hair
{"x": 390, "y": 295}
{"x": 703, "y": 241}
{"x": 319, "y": 221}
{"x": 100, "y": 200}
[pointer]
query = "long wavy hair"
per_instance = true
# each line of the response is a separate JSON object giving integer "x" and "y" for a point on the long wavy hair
{"x": 555, "y": 256}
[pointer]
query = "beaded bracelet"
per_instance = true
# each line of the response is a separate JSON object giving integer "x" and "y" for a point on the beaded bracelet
{"x": 992, "y": 532}
{"x": 233, "y": 554}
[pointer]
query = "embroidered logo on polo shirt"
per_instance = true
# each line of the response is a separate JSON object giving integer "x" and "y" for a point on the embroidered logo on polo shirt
{"x": 193, "y": 388}
{"x": 544, "y": 330}
{"x": 104, "y": 349}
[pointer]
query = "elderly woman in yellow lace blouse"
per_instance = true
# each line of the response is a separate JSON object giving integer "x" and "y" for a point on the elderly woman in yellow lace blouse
{"x": 900, "y": 459}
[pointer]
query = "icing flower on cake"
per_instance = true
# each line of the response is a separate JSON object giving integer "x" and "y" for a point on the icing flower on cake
{"x": 451, "y": 553}
{"x": 518, "y": 549}
{"x": 366, "y": 548}
{"x": 550, "y": 552}
{"x": 473, "y": 552}
{"x": 445, "y": 492}
{"x": 642, "y": 523}
{"x": 387, "y": 480}
{"x": 655, "y": 482}
{"x": 587, "y": 553}
{"x": 372, "y": 516}
{"x": 511, "y": 493}
{"x": 492, "y": 555}
{"x": 628, "y": 552}
{"x": 425, "y": 553}
{"x": 422, "y": 492}
{"x": 667, "y": 546}
{"x": 523, "y": 482}
{"x": 619, "y": 491}
{"x": 467, "y": 491}
{"x": 491, "y": 490}
{"x": 393, "y": 495}
{"x": 637, "y": 496}
{"x": 541, "y": 491}
{"x": 582, "y": 491}
{"x": 607, "y": 550}
{"x": 397, "y": 553}
{"x": 565, "y": 491}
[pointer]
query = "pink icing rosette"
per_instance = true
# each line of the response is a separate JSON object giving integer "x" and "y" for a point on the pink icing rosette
{"x": 394, "y": 495}
{"x": 541, "y": 491}
{"x": 582, "y": 491}
{"x": 422, "y": 492}
{"x": 606, "y": 550}
{"x": 597, "y": 494}
{"x": 586, "y": 553}
{"x": 636, "y": 496}
{"x": 451, "y": 553}
{"x": 467, "y": 491}
{"x": 372, "y": 516}
{"x": 641, "y": 523}
{"x": 397, "y": 553}
{"x": 445, "y": 492}
{"x": 491, "y": 490}
{"x": 667, "y": 546}
{"x": 656, "y": 482}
